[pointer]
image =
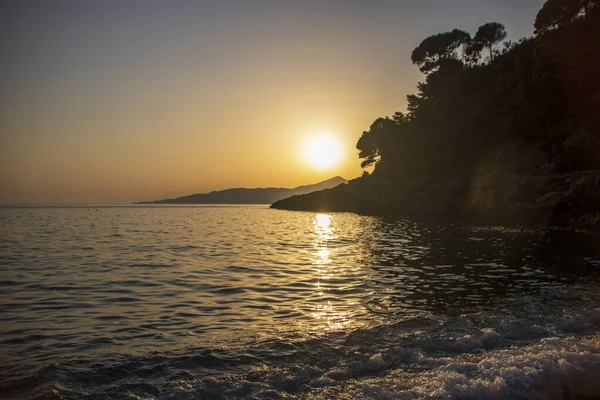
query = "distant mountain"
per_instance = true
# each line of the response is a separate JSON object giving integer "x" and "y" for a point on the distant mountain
{"x": 249, "y": 196}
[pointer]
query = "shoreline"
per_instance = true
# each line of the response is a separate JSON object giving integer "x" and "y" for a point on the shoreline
{"x": 565, "y": 202}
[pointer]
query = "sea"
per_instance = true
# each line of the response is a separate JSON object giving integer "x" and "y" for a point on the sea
{"x": 246, "y": 302}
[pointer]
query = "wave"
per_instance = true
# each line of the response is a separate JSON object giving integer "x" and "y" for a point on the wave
{"x": 481, "y": 355}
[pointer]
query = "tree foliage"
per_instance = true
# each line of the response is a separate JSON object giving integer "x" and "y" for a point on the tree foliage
{"x": 489, "y": 35}
{"x": 557, "y": 13}
{"x": 377, "y": 141}
{"x": 539, "y": 95}
{"x": 439, "y": 51}
{"x": 472, "y": 53}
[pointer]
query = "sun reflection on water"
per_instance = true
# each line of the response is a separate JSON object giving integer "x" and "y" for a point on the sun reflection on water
{"x": 323, "y": 308}
{"x": 323, "y": 227}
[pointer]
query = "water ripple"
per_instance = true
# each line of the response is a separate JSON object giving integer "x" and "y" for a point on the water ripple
{"x": 88, "y": 298}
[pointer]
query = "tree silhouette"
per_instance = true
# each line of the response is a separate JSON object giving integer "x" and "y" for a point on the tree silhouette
{"x": 508, "y": 141}
{"x": 374, "y": 144}
{"x": 490, "y": 34}
{"x": 439, "y": 51}
{"x": 556, "y": 13}
{"x": 472, "y": 53}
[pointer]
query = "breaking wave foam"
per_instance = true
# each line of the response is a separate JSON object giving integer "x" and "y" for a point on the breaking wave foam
{"x": 476, "y": 356}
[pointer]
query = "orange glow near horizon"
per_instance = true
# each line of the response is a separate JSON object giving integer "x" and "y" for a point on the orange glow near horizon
{"x": 134, "y": 101}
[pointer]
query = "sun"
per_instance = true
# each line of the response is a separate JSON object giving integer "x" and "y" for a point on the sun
{"x": 323, "y": 152}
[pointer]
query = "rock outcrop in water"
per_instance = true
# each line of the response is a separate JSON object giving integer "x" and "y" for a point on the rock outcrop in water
{"x": 250, "y": 196}
{"x": 511, "y": 140}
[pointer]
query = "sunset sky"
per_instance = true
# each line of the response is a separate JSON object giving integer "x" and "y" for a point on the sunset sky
{"x": 119, "y": 101}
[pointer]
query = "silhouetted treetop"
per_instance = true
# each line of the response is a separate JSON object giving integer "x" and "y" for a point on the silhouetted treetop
{"x": 439, "y": 51}
{"x": 488, "y": 35}
{"x": 373, "y": 143}
{"x": 556, "y": 13}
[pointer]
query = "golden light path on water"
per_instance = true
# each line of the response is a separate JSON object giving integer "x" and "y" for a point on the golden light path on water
{"x": 325, "y": 311}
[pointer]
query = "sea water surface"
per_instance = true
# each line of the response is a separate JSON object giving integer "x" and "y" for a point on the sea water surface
{"x": 228, "y": 302}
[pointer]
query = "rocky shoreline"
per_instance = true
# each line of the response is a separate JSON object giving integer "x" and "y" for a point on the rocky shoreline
{"x": 561, "y": 201}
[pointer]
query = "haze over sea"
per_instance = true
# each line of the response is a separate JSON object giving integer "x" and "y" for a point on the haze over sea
{"x": 195, "y": 302}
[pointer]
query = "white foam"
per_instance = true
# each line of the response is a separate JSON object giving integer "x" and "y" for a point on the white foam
{"x": 471, "y": 356}
{"x": 553, "y": 368}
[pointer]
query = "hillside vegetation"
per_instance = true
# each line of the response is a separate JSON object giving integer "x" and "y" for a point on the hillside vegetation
{"x": 497, "y": 132}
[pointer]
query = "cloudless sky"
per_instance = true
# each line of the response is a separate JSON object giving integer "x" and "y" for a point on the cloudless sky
{"x": 118, "y": 101}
